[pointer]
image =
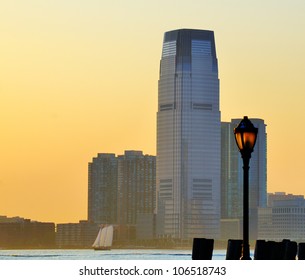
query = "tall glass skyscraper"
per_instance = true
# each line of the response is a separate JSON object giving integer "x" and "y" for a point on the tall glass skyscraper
{"x": 188, "y": 136}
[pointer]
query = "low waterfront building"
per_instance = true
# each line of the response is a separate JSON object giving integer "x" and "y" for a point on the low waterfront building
{"x": 16, "y": 233}
{"x": 284, "y": 218}
{"x": 76, "y": 235}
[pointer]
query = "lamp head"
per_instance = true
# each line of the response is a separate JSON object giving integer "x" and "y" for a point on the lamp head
{"x": 245, "y": 136}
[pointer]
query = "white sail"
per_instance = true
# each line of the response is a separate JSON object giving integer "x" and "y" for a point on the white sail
{"x": 108, "y": 236}
{"x": 97, "y": 240}
{"x": 104, "y": 238}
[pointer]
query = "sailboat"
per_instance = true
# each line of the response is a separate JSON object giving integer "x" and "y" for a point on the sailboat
{"x": 104, "y": 238}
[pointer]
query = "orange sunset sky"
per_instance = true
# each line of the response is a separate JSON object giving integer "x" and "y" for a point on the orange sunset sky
{"x": 79, "y": 78}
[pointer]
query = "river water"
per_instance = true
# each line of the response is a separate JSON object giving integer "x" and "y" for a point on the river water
{"x": 115, "y": 254}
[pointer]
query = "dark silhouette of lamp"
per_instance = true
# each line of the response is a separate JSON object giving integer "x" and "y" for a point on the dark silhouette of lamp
{"x": 245, "y": 136}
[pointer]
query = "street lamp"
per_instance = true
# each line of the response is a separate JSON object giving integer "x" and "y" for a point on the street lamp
{"x": 245, "y": 136}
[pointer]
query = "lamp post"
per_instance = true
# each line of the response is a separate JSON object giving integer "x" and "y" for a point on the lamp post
{"x": 245, "y": 136}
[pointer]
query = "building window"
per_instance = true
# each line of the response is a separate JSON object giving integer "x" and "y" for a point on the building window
{"x": 201, "y": 47}
{"x": 169, "y": 48}
{"x": 202, "y": 106}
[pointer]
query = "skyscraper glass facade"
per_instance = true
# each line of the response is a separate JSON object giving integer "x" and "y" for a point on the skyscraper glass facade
{"x": 188, "y": 136}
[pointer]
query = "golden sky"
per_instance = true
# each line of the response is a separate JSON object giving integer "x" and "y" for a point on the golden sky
{"x": 80, "y": 77}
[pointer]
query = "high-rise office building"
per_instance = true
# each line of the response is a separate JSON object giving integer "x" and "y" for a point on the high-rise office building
{"x": 136, "y": 194}
{"x": 136, "y": 186}
{"x": 188, "y": 136}
{"x": 102, "y": 189}
{"x": 122, "y": 192}
{"x": 232, "y": 175}
{"x": 231, "y": 191}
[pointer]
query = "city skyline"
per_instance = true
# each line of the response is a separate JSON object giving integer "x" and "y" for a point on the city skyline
{"x": 77, "y": 79}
